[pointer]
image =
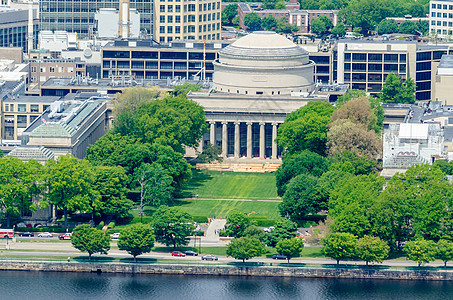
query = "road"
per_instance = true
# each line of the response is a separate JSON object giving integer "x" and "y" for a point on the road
{"x": 63, "y": 249}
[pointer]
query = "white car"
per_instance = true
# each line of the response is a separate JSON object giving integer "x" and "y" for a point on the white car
{"x": 45, "y": 234}
{"x": 115, "y": 235}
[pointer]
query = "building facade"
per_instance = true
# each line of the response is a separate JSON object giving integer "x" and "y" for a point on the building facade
{"x": 41, "y": 70}
{"x": 441, "y": 18}
{"x": 14, "y": 28}
{"x": 193, "y": 20}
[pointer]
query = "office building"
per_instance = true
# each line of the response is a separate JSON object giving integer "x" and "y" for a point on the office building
{"x": 41, "y": 70}
{"x": 441, "y": 18}
{"x": 14, "y": 28}
{"x": 444, "y": 81}
{"x": 194, "y": 20}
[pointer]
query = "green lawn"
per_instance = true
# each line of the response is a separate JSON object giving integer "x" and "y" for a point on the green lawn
{"x": 230, "y": 185}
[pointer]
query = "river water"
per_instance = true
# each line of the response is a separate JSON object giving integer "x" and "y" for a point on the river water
{"x": 67, "y": 286}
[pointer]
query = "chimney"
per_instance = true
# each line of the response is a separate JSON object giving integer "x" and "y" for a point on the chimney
{"x": 30, "y": 25}
{"x": 124, "y": 22}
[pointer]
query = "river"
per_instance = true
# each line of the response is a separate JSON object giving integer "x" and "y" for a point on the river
{"x": 54, "y": 285}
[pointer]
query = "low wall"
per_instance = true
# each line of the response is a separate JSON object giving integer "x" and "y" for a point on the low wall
{"x": 264, "y": 271}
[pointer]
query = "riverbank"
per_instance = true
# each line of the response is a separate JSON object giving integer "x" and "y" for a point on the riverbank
{"x": 222, "y": 270}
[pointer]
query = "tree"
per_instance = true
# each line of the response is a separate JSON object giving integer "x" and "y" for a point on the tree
{"x": 423, "y": 27}
{"x": 318, "y": 26}
{"x": 245, "y": 248}
{"x": 280, "y": 5}
{"x": 408, "y": 27}
{"x": 339, "y": 246}
{"x": 172, "y": 226}
{"x": 351, "y": 162}
{"x": 305, "y": 162}
{"x": 210, "y": 154}
{"x": 290, "y": 247}
{"x": 228, "y": 14}
{"x": 284, "y": 27}
{"x": 269, "y": 22}
{"x": 339, "y": 29}
{"x": 372, "y": 249}
{"x": 299, "y": 199}
{"x": 396, "y": 91}
{"x": 254, "y": 232}
{"x": 366, "y": 14}
{"x": 252, "y": 21}
{"x": 91, "y": 240}
{"x": 327, "y": 22}
{"x": 136, "y": 239}
{"x": 237, "y": 223}
{"x": 155, "y": 185}
{"x": 446, "y": 167}
{"x": 421, "y": 251}
{"x": 132, "y": 98}
{"x": 328, "y": 182}
{"x": 444, "y": 251}
{"x": 185, "y": 88}
{"x": 306, "y": 128}
{"x": 358, "y": 110}
{"x": 387, "y": 26}
{"x": 70, "y": 184}
{"x": 284, "y": 229}
{"x": 111, "y": 184}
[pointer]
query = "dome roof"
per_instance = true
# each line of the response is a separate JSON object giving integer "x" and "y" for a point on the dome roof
{"x": 263, "y": 45}
{"x": 263, "y": 39}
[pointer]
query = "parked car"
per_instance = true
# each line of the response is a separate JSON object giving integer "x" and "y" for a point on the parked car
{"x": 115, "y": 235}
{"x": 177, "y": 253}
{"x": 209, "y": 257}
{"x": 279, "y": 256}
{"x": 66, "y": 236}
{"x": 28, "y": 233}
{"x": 191, "y": 253}
{"x": 45, "y": 234}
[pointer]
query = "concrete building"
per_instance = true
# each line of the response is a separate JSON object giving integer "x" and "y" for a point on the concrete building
{"x": 194, "y": 20}
{"x": 444, "y": 81}
{"x": 365, "y": 64}
{"x": 14, "y": 27}
{"x": 79, "y": 16}
{"x": 108, "y": 23}
{"x": 41, "y": 70}
{"x": 441, "y": 18}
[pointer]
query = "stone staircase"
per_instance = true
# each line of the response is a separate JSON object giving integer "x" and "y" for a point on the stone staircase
{"x": 252, "y": 168}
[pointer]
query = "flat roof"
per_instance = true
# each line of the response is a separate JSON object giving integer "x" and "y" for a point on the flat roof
{"x": 32, "y": 99}
{"x": 413, "y": 131}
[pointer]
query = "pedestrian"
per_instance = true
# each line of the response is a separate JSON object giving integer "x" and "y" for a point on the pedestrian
{"x": 197, "y": 196}
{"x": 69, "y": 259}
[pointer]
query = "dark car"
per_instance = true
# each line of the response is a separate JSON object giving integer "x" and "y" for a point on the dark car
{"x": 278, "y": 256}
{"x": 209, "y": 257}
{"x": 29, "y": 234}
{"x": 191, "y": 253}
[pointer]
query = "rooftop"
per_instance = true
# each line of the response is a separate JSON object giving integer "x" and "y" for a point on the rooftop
{"x": 446, "y": 65}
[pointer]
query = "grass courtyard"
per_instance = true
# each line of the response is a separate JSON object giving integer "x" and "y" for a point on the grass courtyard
{"x": 231, "y": 185}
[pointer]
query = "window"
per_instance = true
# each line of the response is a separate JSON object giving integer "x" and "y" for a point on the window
{"x": 177, "y": 8}
{"x": 170, "y": 19}
{"x": 450, "y": 16}
{"x": 170, "y": 8}
{"x": 439, "y": 6}
{"x": 444, "y": 15}
{"x": 162, "y": 19}
{"x": 177, "y": 29}
{"x": 162, "y": 8}
{"x": 34, "y": 108}
{"x": 6, "y": 107}
{"x": 45, "y": 107}
{"x": 177, "y": 19}
{"x": 21, "y": 107}
{"x": 433, "y": 5}
{"x": 450, "y": 7}
{"x": 162, "y": 29}
{"x": 433, "y": 22}
{"x": 170, "y": 29}
{"x": 439, "y": 15}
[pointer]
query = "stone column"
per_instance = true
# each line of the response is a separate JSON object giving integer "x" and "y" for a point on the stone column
{"x": 237, "y": 139}
{"x": 262, "y": 140}
{"x": 249, "y": 139}
{"x": 274, "y": 143}
{"x": 224, "y": 139}
{"x": 212, "y": 132}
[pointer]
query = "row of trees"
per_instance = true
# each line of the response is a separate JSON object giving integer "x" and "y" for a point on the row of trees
{"x": 170, "y": 226}
{"x": 340, "y": 246}
{"x": 255, "y": 22}
{"x": 388, "y": 26}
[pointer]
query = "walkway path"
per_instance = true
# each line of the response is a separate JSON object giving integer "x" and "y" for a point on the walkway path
{"x": 268, "y": 200}
{"x": 214, "y": 227}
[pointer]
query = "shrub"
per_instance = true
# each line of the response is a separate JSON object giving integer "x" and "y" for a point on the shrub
{"x": 111, "y": 225}
{"x": 144, "y": 220}
{"x": 222, "y": 233}
{"x": 100, "y": 225}
{"x": 200, "y": 219}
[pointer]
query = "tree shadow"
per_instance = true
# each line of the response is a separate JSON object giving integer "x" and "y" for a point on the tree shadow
{"x": 94, "y": 259}
{"x": 140, "y": 260}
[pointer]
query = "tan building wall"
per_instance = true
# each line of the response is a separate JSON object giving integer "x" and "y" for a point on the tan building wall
{"x": 55, "y": 69}
{"x": 187, "y": 20}
{"x": 443, "y": 89}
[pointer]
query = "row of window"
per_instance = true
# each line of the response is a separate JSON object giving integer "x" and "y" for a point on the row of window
{"x": 189, "y": 18}
{"x": 439, "y": 23}
{"x": 374, "y": 57}
{"x": 358, "y": 67}
{"x": 364, "y": 77}
{"x": 190, "y": 28}
{"x": 441, "y": 15}
{"x": 189, "y": 7}
{"x": 34, "y": 108}
{"x": 440, "y": 6}
{"x": 207, "y": 37}
{"x": 155, "y": 65}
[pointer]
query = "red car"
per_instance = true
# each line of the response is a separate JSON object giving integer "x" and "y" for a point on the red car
{"x": 178, "y": 253}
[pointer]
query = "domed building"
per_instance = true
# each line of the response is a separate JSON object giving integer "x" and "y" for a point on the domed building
{"x": 263, "y": 63}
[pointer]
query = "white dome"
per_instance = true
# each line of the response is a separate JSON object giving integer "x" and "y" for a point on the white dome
{"x": 263, "y": 39}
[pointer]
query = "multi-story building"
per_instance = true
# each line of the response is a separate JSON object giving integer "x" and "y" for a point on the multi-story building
{"x": 14, "y": 28}
{"x": 441, "y": 18}
{"x": 193, "y": 20}
{"x": 365, "y": 64}
{"x": 41, "y": 70}
{"x": 79, "y": 16}
{"x": 303, "y": 18}
{"x": 144, "y": 59}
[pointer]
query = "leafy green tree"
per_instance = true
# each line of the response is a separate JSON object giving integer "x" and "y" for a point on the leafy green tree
{"x": 350, "y": 94}
{"x": 423, "y": 27}
{"x": 444, "y": 251}
{"x": 328, "y": 182}
{"x": 353, "y": 163}
{"x": 136, "y": 239}
{"x": 132, "y": 98}
{"x": 387, "y": 26}
{"x": 155, "y": 185}
{"x": 284, "y": 27}
{"x": 254, "y": 232}
{"x": 318, "y": 26}
{"x": 91, "y": 240}
{"x": 111, "y": 184}
{"x": 70, "y": 184}
{"x": 446, "y": 167}
{"x": 306, "y": 128}
{"x": 185, "y": 88}
{"x": 280, "y": 5}
{"x": 172, "y": 226}
{"x": 372, "y": 249}
{"x": 252, "y": 21}
{"x": 245, "y": 248}
{"x": 417, "y": 10}
{"x": 396, "y": 91}
{"x": 228, "y": 14}
{"x": 290, "y": 247}
{"x": 237, "y": 223}
{"x": 284, "y": 229}
{"x": 366, "y": 14}
{"x": 305, "y": 162}
{"x": 300, "y": 197}
{"x": 408, "y": 27}
{"x": 352, "y": 219}
{"x": 210, "y": 154}
{"x": 339, "y": 29}
{"x": 339, "y": 246}
{"x": 269, "y": 4}
{"x": 421, "y": 251}
{"x": 327, "y": 22}
{"x": 269, "y": 22}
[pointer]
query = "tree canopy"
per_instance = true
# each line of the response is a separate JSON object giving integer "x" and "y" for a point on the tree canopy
{"x": 252, "y": 21}
{"x": 290, "y": 247}
{"x": 245, "y": 248}
{"x": 284, "y": 229}
{"x": 421, "y": 251}
{"x": 172, "y": 226}
{"x": 339, "y": 246}
{"x": 228, "y": 13}
{"x": 397, "y": 91}
{"x": 136, "y": 239}
{"x": 372, "y": 249}
{"x": 91, "y": 240}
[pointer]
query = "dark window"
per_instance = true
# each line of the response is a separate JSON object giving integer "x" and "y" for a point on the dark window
{"x": 423, "y": 76}
{"x": 438, "y": 54}
{"x": 423, "y": 86}
{"x": 359, "y": 56}
{"x": 358, "y": 67}
{"x": 144, "y": 54}
{"x": 390, "y": 68}
{"x": 423, "y": 56}
{"x": 374, "y": 57}
{"x": 374, "y": 67}
{"x": 347, "y": 56}
{"x": 116, "y": 54}
{"x": 391, "y": 57}
{"x": 422, "y": 66}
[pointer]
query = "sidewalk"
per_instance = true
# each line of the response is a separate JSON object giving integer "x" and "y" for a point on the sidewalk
{"x": 214, "y": 226}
